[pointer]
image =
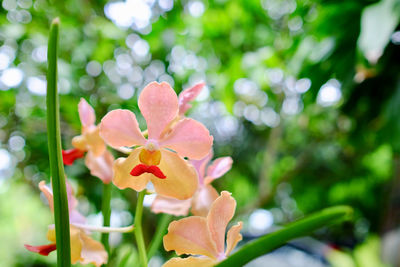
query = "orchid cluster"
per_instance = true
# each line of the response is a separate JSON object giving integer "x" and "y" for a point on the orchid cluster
{"x": 172, "y": 159}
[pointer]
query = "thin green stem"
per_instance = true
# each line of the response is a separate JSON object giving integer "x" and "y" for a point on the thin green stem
{"x": 61, "y": 216}
{"x": 160, "y": 232}
{"x": 293, "y": 230}
{"x": 106, "y": 211}
{"x": 138, "y": 229}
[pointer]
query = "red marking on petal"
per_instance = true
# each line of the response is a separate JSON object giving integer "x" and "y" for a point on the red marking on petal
{"x": 70, "y": 155}
{"x": 142, "y": 168}
{"x": 42, "y": 250}
{"x": 156, "y": 171}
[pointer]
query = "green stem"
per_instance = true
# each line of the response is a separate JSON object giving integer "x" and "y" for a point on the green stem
{"x": 60, "y": 199}
{"x": 293, "y": 230}
{"x": 160, "y": 232}
{"x": 106, "y": 211}
{"x": 138, "y": 229}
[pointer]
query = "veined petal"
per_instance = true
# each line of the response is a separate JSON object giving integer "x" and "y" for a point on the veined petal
{"x": 102, "y": 166}
{"x": 190, "y": 236}
{"x": 190, "y": 261}
{"x": 159, "y": 105}
{"x": 86, "y": 113}
{"x": 233, "y": 237}
{"x": 187, "y": 96}
{"x": 200, "y": 165}
{"x": 120, "y": 128}
{"x": 92, "y": 251}
{"x": 171, "y": 206}
{"x": 219, "y": 167}
{"x": 122, "y": 177}
{"x": 189, "y": 138}
{"x": 203, "y": 199}
{"x": 181, "y": 178}
{"x": 221, "y": 212}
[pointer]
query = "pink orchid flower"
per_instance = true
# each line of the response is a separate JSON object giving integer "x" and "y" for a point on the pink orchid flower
{"x": 84, "y": 249}
{"x": 154, "y": 159}
{"x": 205, "y": 194}
{"x": 98, "y": 159}
{"x": 204, "y": 236}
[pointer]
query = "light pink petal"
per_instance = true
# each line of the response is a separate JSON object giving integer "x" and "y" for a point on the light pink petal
{"x": 181, "y": 178}
{"x": 122, "y": 168}
{"x": 200, "y": 166}
{"x": 190, "y": 236}
{"x": 171, "y": 206}
{"x": 219, "y": 167}
{"x": 187, "y": 96}
{"x": 74, "y": 215}
{"x": 190, "y": 262}
{"x": 233, "y": 237}
{"x": 159, "y": 105}
{"x": 86, "y": 113}
{"x": 221, "y": 212}
{"x": 120, "y": 128}
{"x": 102, "y": 166}
{"x": 189, "y": 138}
{"x": 92, "y": 251}
{"x": 48, "y": 193}
{"x": 203, "y": 199}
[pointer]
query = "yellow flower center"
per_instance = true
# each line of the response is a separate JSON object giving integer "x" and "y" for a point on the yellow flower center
{"x": 149, "y": 157}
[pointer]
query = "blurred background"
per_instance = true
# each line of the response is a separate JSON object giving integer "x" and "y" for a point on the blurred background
{"x": 303, "y": 95}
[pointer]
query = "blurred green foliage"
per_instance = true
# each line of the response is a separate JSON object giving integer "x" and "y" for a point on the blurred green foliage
{"x": 304, "y": 95}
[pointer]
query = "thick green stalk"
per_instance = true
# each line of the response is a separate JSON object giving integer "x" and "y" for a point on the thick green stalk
{"x": 138, "y": 229}
{"x": 293, "y": 230}
{"x": 106, "y": 211}
{"x": 158, "y": 236}
{"x": 61, "y": 216}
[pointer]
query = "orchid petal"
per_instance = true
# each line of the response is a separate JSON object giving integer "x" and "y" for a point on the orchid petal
{"x": 122, "y": 177}
{"x": 190, "y": 261}
{"x": 102, "y": 166}
{"x": 189, "y": 138}
{"x": 86, "y": 113}
{"x": 48, "y": 193}
{"x": 43, "y": 250}
{"x": 92, "y": 251}
{"x": 76, "y": 244}
{"x": 159, "y": 105}
{"x": 190, "y": 236}
{"x": 233, "y": 237}
{"x": 200, "y": 165}
{"x": 203, "y": 200}
{"x": 187, "y": 96}
{"x": 221, "y": 212}
{"x": 94, "y": 142}
{"x": 219, "y": 167}
{"x": 120, "y": 128}
{"x": 171, "y": 206}
{"x": 181, "y": 178}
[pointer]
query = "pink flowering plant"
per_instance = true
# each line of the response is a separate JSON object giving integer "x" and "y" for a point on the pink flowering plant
{"x": 172, "y": 159}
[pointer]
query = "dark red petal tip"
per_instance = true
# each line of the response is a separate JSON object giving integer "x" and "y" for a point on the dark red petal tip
{"x": 142, "y": 168}
{"x": 42, "y": 250}
{"x": 70, "y": 155}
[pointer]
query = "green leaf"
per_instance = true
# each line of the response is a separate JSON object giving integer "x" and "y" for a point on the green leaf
{"x": 61, "y": 216}
{"x": 272, "y": 241}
